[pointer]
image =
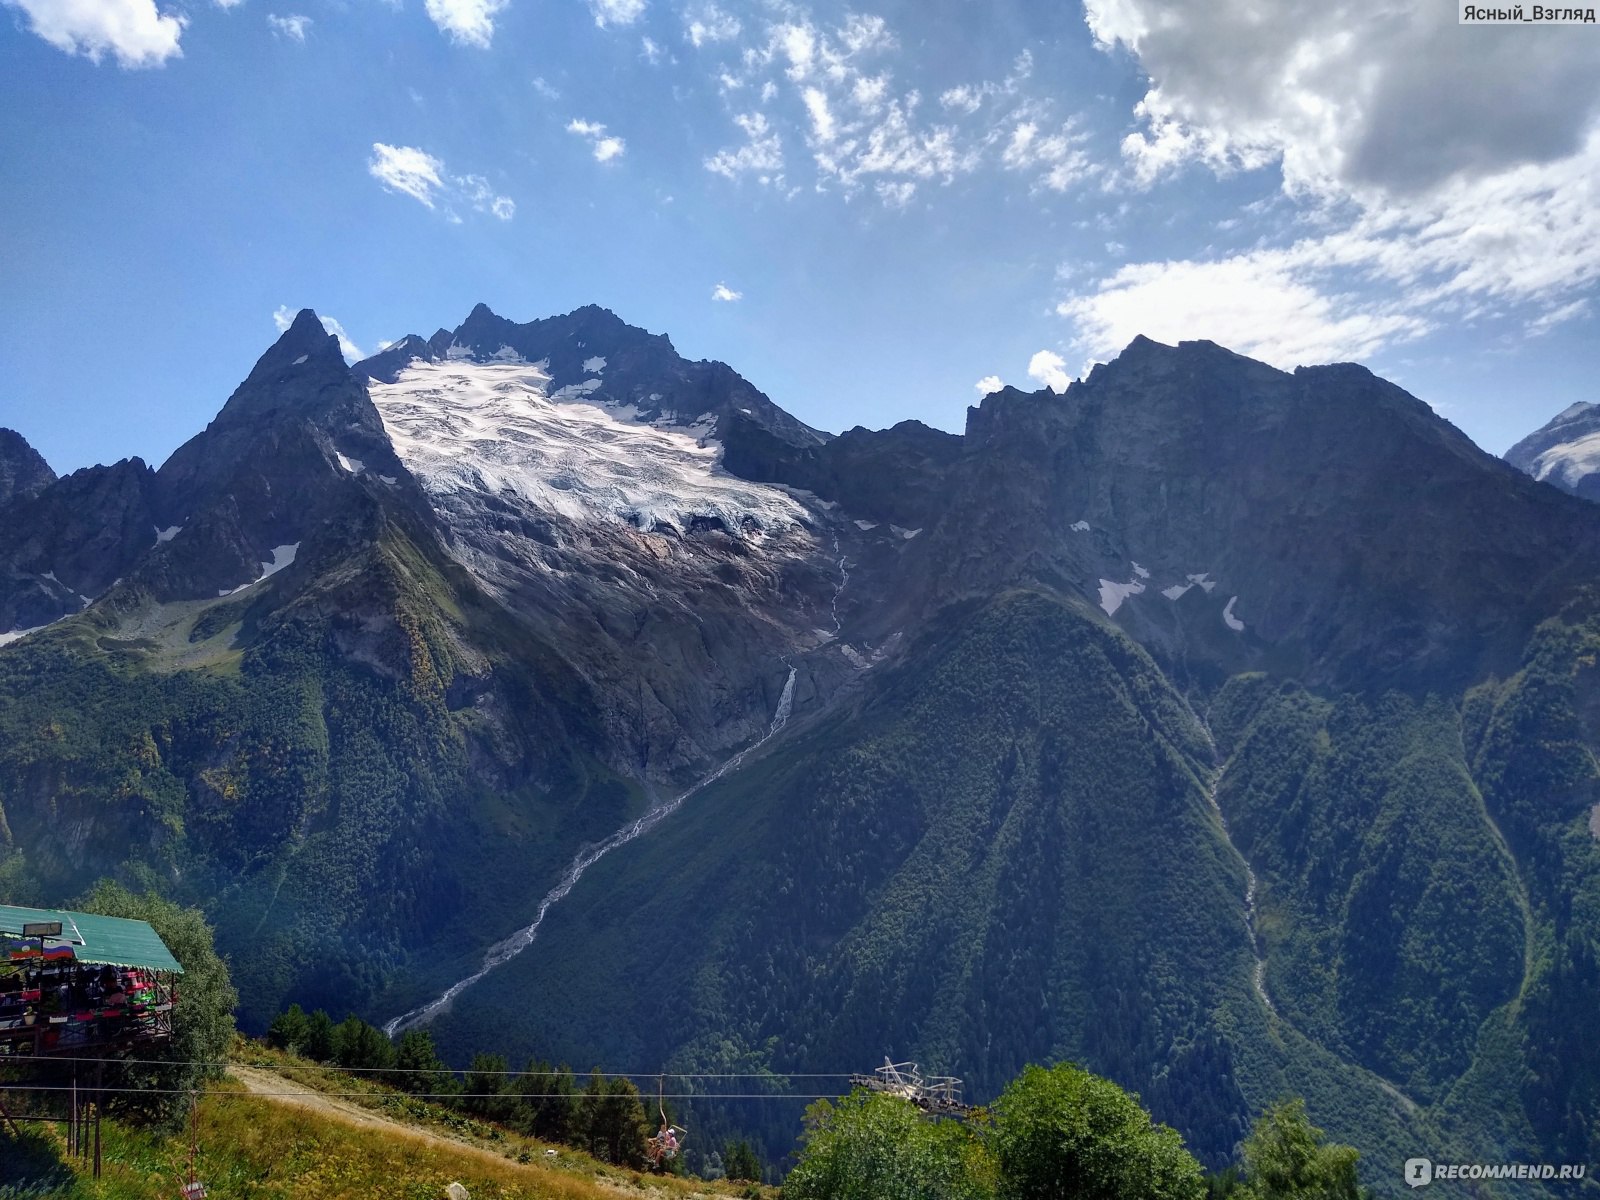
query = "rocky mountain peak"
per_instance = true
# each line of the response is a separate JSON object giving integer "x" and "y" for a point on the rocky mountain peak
{"x": 23, "y": 470}
{"x": 1565, "y": 451}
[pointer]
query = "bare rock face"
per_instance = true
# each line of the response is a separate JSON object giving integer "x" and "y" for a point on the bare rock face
{"x": 23, "y": 471}
{"x": 1564, "y": 452}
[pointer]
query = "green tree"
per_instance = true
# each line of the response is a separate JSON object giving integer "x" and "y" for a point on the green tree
{"x": 485, "y": 1093}
{"x": 361, "y": 1046}
{"x": 418, "y": 1069}
{"x": 1286, "y": 1157}
{"x": 546, "y": 1102}
{"x": 288, "y": 1030}
{"x": 871, "y": 1146}
{"x": 1065, "y": 1133}
{"x": 319, "y": 1037}
{"x": 740, "y": 1162}
{"x": 202, "y": 1019}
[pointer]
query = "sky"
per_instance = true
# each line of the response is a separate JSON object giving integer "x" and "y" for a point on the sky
{"x": 873, "y": 212}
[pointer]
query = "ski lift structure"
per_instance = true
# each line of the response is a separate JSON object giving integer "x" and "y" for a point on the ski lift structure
{"x": 936, "y": 1095}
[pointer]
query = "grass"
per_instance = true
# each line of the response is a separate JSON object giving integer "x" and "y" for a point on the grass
{"x": 260, "y": 1147}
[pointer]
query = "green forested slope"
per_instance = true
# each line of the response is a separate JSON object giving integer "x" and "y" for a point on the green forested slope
{"x": 350, "y": 774}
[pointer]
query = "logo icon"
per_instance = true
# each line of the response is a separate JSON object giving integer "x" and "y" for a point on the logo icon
{"x": 1419, "y": 1172}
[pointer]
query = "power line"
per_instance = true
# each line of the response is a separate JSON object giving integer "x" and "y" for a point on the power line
{"x": 577, "y": 1095}
{"x": 196, "y": 1062}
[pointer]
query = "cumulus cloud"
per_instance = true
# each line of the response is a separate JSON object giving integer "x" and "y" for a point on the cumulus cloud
{"x": 605, "y": 147}
{"x": 466, "y": 22}
{"x": 989, "y": 384}
{"x": 725, "y": 293}
{"x": 1449, "y": 173}
{"x": 418, "y": 174}
{"x": 134, "y": 32}
{"x": 293, "y": 26}
{"x": 1349, "y": 93}
{"x": 284, "y": 317}
{"x": 1050, "y": 369}
{"x": 616, "y": 12}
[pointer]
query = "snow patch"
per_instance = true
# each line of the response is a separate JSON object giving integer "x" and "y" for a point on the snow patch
{"x": 908, "y": 534}
{"x": 301, "y": 359}
{"x": 167, "y": 534}
{"x": 866, "y": 525}
{"x": 1177, "y": 591}
{"x": 17, "y": 634}
{"x": 1228, "y": 619}
{"x": 506, "y": 355}
{"x": 389, "y": 479}
{"x": 1113, "y": 594}
{"x": 1203, "y": 581}
{"x": 1140, "y": 571}
{"x": 456, "y": 352}
{"x": 1080, "y": 527}
{"x": 354, "y": 465}
{"x": 594, "y": 365}
{"x": 1571, "y": 461}
{"x": 282, "y": 556}
{"x": 51, "y": 576}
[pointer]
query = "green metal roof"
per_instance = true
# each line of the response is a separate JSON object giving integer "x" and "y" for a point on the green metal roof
{"x": 96, "y": 939}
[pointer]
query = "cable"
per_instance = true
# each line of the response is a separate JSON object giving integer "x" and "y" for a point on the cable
{"x": 198, "y": 1062}
{"x": 29, "y": 1087}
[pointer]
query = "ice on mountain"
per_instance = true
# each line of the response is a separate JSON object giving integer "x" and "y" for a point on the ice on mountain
{"x": 1113, "y": 594}
{"x": 1080, "y": 527}
{"x": 1177, "y": 591}
{"x": 747, "y": 412}
{"x": 1571, "y": 461}
{"x": 594, "y": 365}
{"x": 499, "y": 429}
{"x": 908, "y": 534}
{"x": 282, "y": 556}
{"x": 301, "y": 359}
{"x": 456, "y": 352}
{"x": 16, "y": 634}
{"x": 866, "y": 525}
{"x": 506, "y": 355}
{"x": 1202, "y": 581}
{"x": 167, "y": 534}
{"x": 389, "y": 479}
{"x": 354, "y": 465}
{"x": 1141, "y": 572}
{"x": 574, "y": 391}
{"x": 1228, "y": 619}
{"x": 51, "y": 576}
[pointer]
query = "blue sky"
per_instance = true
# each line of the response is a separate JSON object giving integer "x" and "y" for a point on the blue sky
{"x": 894, "y": 201}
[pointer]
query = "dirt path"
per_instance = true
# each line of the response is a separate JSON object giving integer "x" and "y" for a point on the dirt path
{"x": 298, "y": 1095}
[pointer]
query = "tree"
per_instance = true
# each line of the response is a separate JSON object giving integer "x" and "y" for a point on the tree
{"x": 1286, "y": 1157}
{"x": 876, "y": 1147}
{"x": 740, "y": 1162}
{"x": 546, "y": 1102}
{"x": 319, "y": 1037}
{"x": 418, "y": 1069}
{"x": 361, "y": 1046}
{"x": 288, "y": 1030}
{"x": 202, "y": 1019}
{"x": 1065, "y": 1133}
{"x": 485, "y": 1093}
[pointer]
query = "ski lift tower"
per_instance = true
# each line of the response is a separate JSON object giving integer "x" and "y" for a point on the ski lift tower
{"x": 936, "y": 1095}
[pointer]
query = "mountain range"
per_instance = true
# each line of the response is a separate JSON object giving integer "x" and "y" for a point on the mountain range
{"x": 1228, "y": 730}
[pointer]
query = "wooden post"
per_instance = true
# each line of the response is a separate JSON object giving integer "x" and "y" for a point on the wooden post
{"x": 97, "y": 1140}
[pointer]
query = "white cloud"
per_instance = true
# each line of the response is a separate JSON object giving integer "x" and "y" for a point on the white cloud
{"x": 761, "y": 154}
{"x": 225, "y": 4}
{"x": 466, "y": 22}
{"x": 1050, "y": 369}
{"x": 134, "y": 32}
{"x": 545, "y": 88}
{"x": 284, "y": 317}
{"x": 725, "y": 293}
{"x": 418, "y": 174}
{"x": 1060, "y": 157}
{"x": 710, "y": 24}
{"x": 822, "y": 127}
{"x": 1350, "y": 94}
{"x": 896, "y": 193}
{"x": 407, "y": 170}
{"x": 616, "y": 12}
{"x": 604, "y": 148}
{"x": 293, "y": 26}
{"x": 1451, "y": 174}
{"x": 989, "y": 384}
{"x": 650, "y": 50}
